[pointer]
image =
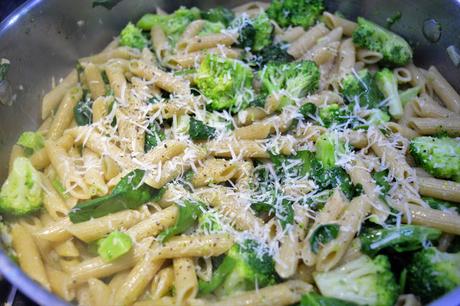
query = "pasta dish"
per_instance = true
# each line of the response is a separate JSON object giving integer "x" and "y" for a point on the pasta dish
{"x": 269, "y": 154}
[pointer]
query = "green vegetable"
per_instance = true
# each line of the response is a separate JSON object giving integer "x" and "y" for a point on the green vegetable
{"x": 378, "y": 117}
{"x": 308, "y": 110}
{"x": 276, "y": 53}
{"x": 328, "y": 147}
{"x": 381, "y": 179}
{"x": 363, "y": 281}
{"x": 31, "y": 141}
{"x": 402, "y": 238}
{"x": 253, "y": 267}
{"x": 59, "y": 188}
{"x": 225, "y": 83}
{"x": 433, "y": 273}
{"x": 254, "y": 33}
{"x": 4, "y": 67}
{"x": 438, "y": 156}
{"x": 333, "y": 114}
{"x": 200, "y": 131}
{"x": 83, "y": 110}
{"x": 108, "y": 4}
{"x": 173, "y": 24}
{"x": 113, "y": 246}
{"x": 314, "y": 299}
{"x": 441, "y": 205}
{"x": 21, "y": 193}
{"x": 322, "y": 235}
{"x": 211, "y": 27}
{"x": 129, "y": 193}
{"x": 409, "y": 94}
{"x": 209, "y": 223}
{"x": 393, "y": 19}
{"x": 303, "y": 13}
{"x": 295, "y": 79}
{"x": 131, "y": 36}
{"x": 189, "y": 212}
{"x": 361, "y": 87}
{"x": 388, "y": 85}
{"x": 218, "y": 277}
{"x": 394, "y": 48}
{"x": 218, "y": 14}
{"x": 153, "y": 136}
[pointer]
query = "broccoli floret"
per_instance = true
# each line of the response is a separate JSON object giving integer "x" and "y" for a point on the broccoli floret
{"x": 361, "y": 87}
{"x": 402, "y": 238}
{"x": 21, "y": 194}
{"x": 132, "y": 36}
{"x": 31, "y": 141}
{"x": 438, "y": 156}
{"x": 394, "y": 48}
{"x": 254, "y": 33}
{"x": 308, "y": 110}
{"x": 253, "y": 267}
{"x": 219, "y": 14}
{"x": 314, "y": 299}
{"x": 377, "y": 117}
{"x": 364, "y": 281}
{"x": 200, "y": 131}
{"x": 381, "y": 179}
{"x": 327, "y": 148}
{"x": 226, "y": 83}
{"x": 409, "y": 94}
{"x": 433, "y": 273}
{"x": 333, "y": 114}
{"x": 211, "y": 27}
{"x": 296, "y": 13}
{"x": 388, "y": 85}
{"x": 276, "y": 53}
{"x": 294, "y": 80}
{"x": 173, "y": 25}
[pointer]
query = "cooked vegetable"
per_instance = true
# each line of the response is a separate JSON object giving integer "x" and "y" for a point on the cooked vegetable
{"x": 83, "y": 110}
{"x": 294, "y": 80}
{"x": 314, "y": 299}
{"x": 333, "y": 114}
{"x": 361, "y": 87}
{"x": 200, "y": 131}
{"x": 308, "y": 110}
{"x": 209, "y": 222}
{"x": 388, "y": 85}
{"x": 21, "y": 193}
{"x": 401, "y": 238}
{"x": 173, "y": 24}
{"x": 113, "y": 246}
{"x": 219, "y": 14}
{"x": 189, "y": 212}
{"x": 441, "y": 204}
{"x": 153, "y": 136}
{"x": 31, "y": 141}
{"x": 322, "y": 235}
{"x": 254, "y": 33}
{"x": 394, "y": 48}
{"x": 303, "y": 13}
{"x": 276, "y": 53}
{"x": 129, "y": 193}
{"x": 226, "y": 83}
{"x": 363, "y": 281}
{"x": 433, "y": 273}
{"x": 438, "y": 156}
{"x": 131, "y": 36}
{"x": 218, "y": 277}
{"x": 253, "y": 267}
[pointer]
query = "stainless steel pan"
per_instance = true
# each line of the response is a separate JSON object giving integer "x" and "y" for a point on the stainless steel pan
{"x": 43, "y": 38}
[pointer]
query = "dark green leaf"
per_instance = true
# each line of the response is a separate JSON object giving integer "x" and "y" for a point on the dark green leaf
{"x": 286, "y": 213}
{"x": 83, "y": 111}
{"x": 153, "y": 136}
{"x": 188, "y": 214}
{"x": 108, "y": 4}
{"x": 322, "y": 235}
{"x": 129, "y": 193}
{"x": 200, "y": 131}
{"x": 381, "y": 179}
{"x": 308, "y": 110}
{"x": 218, "y": 276}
